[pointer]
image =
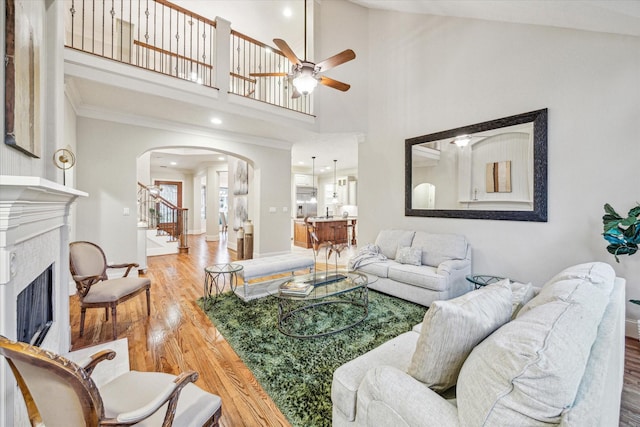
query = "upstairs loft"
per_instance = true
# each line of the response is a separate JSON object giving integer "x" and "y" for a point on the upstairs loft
{"x": 196, "y": 61}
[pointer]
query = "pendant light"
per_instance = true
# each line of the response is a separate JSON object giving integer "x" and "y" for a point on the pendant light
{"x": 313, "y": 180}
{"x": 335, "y": 183}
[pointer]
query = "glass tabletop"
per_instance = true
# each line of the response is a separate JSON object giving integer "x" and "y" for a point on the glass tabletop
{"x": 317, "y": 285}
{"x": 483, "y": 279}
{"x": 223, "y": 268}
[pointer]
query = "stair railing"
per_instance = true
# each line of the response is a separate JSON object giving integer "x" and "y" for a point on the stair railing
{"x": 167, "y": 218}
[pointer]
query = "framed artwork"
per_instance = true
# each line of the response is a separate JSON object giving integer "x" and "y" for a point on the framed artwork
{"x": 241, "y": 178}
{"x": 23, "y": 61}
{"x": 240, "y": 213}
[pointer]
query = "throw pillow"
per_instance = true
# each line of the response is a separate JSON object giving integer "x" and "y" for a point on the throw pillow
{"x": 528, "y": 372}
{"x": 451, "y": 329}
{"x": 390, "y": 240}
{"x": 409, "y": 255}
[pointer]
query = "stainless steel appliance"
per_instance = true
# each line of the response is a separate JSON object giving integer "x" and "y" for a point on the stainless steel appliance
{"x": 304, "y": 206}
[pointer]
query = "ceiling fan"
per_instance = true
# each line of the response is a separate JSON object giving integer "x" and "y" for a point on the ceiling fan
{"x": 304, "y": 74}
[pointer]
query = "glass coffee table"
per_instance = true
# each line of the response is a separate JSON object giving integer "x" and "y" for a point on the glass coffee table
{"x": 322, "y": 303}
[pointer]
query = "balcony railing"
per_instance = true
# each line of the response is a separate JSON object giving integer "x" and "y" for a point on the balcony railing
{"x": 163, "y": 37}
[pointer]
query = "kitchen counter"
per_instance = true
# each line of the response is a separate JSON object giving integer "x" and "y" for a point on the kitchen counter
{"x": 335, "y": 230}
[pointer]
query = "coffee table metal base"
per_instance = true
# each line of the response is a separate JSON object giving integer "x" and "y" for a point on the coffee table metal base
{"x": 294, "y": 314}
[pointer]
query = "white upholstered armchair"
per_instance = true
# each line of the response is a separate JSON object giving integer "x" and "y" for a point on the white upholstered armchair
{"x": 88, "y": 266}
{"x": 59, "y": 392}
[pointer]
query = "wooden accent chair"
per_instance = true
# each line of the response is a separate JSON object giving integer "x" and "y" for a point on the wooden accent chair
{"x": 59, "y": 392}
{"x": 88, "y": 266}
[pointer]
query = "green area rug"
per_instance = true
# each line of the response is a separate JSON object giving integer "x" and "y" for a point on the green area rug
{"x": 296, "y": 372}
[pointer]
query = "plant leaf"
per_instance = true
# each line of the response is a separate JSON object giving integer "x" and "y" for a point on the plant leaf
{"x": 608, "y": 209}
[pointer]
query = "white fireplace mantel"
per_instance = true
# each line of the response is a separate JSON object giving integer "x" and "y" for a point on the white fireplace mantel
{"x": 34, "y": 234}
{"x": 29, "y": 206}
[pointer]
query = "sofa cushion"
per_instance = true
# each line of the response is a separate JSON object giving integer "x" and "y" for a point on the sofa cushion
{"x": 564, "y": 284}
{"x": 437, "y": 248}
{"x": 421, "y": 276}
{"x": 389, "y": 240}
{"x": 409, "y": 255}
{"x": 451, "y": 329}
{"x": 521, "y": 293}
{"x": 378, "y": 268}
{"x": 594, "y": 272}
{"x": 542, "y": 356}
{"x": 347, "y": 378}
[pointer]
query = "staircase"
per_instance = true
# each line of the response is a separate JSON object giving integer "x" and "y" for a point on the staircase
{"x": 166, "y": 223}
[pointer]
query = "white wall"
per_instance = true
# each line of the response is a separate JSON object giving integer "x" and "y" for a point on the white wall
{"x": 341, "y": 25}
{"x": 106, "y": 169}
{"x": 438, "y": 73}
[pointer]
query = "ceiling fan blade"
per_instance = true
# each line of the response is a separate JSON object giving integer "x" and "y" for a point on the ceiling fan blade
{"x": 286, "y": 50}
{"x": 268, "y": 74}
{"x": 335, "y": 60}
{"x": 334, "y": 84}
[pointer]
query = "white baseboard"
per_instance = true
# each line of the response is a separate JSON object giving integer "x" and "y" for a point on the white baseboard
{"x": 631, "y": 328}
{"x": 212, "y": 237}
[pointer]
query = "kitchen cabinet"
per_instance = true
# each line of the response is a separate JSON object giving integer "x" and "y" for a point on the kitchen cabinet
{"x": 347, "y": 190}
{"x": 302, "y": 180}
{"x": 333, "y": 230}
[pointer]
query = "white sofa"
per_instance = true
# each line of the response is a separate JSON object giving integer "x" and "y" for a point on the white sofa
{"x": 442, "y": 264}
{"x": 558, "y": 362}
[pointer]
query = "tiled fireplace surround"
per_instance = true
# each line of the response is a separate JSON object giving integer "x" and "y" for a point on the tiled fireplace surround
{"x": 34, "y": 233}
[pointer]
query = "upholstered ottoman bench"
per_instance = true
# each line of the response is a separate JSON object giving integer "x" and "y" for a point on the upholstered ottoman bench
{"x": 268, "y": 266}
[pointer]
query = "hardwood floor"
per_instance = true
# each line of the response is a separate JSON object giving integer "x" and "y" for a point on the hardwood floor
{"x": 178, "y": 337}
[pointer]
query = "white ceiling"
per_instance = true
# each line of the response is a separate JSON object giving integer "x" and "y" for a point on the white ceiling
{"x": 609, "y": 16}
{"x": 250, "y": 17}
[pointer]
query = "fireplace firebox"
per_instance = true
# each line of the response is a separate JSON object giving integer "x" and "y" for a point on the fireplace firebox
{"x": 35, "y": 309}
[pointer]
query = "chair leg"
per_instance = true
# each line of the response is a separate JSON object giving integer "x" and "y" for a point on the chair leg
{"x": 115, "y": 318}
{"x": 83, "y": 312}
{"x": 148, "y": 302}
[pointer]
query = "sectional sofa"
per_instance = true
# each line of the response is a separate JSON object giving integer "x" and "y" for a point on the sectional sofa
{"x": 416, "y": 266}
{"x": 488, "y": 358}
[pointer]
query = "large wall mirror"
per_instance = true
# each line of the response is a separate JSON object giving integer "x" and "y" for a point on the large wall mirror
{"x": 490, "y": 170}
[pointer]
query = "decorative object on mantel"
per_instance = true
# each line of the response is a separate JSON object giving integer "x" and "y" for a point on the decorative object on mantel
{"x": 64, "y": 159}
{"x": 623, "y": 234}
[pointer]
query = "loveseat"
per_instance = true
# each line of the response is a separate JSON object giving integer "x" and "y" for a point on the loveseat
{"x": 557, "y": 361}
{"x": 416, "y": 266}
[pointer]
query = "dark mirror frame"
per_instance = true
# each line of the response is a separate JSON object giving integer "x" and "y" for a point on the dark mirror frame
{"x": 539, "y": 211}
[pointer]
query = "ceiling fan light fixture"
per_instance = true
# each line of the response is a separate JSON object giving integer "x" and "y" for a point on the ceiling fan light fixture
{"x": 305, "y": 83}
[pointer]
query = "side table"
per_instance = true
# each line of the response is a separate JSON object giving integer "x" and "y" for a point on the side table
{"x": 480, "y": 280}
{"x": 215, "y": 279}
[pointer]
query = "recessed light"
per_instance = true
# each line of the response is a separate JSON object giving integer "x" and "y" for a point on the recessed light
{"x": 287, "y": 12}
{"x": 172, "y": 163}
{"x": 301, "y": 162}
{"x": 221, "y": 158}
{"x": 216, "y": 121}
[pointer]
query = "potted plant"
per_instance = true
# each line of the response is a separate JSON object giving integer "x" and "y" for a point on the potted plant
{"x": 623, "y": 234}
